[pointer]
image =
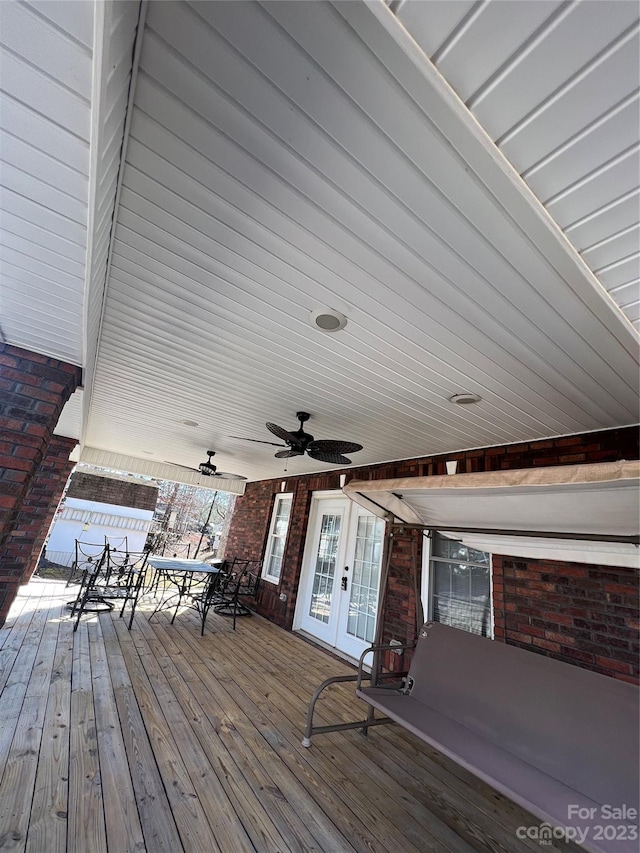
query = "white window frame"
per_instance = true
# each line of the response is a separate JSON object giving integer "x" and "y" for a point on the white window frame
{"x": 280, "y": 498}
{"x": 427, "y": 584}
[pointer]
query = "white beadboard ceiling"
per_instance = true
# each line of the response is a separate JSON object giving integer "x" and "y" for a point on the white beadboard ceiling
{"x": 555, "y": 85}
{"x": 45, "y": 111}
{"x": 285, "y": 157}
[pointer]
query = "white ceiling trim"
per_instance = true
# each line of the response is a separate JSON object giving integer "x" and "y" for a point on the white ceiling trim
{"x": 70, "y": 420}
{"x": 159, "y": 471}
{"x": 118, "y": 32}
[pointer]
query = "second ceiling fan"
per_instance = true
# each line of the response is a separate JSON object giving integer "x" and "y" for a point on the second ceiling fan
{"x": 208, "y": 469}
{"x": 300, "y": 442}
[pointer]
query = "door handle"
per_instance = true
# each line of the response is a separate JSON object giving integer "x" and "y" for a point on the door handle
{"x": 344, "y": 582}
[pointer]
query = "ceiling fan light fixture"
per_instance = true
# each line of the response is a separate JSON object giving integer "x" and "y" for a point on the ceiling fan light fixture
{"x": 464, "y": 399}
{"x": 327, "y": 320}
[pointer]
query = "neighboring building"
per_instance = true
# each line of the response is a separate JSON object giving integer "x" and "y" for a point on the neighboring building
{"x": 305, "y": 531}
{"x": 110, "y": 507}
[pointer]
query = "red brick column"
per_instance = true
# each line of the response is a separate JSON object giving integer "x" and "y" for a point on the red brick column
{"x": 33, "y": 390}
{"x": 41, "y": 501}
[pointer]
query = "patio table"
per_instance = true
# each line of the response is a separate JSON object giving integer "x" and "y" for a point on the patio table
{"x": 183, "y": 574}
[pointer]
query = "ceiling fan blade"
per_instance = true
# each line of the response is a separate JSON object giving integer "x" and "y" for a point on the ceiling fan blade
{"x": 257, "y": 441}
{"x": 334, "y": 458}
{"x": 176, "y": 465}
{"x": 287, "y": 454}
{"x": 281, "y": 433}
{"x": 225, "y": 475}
{"x": 333, "y": 446}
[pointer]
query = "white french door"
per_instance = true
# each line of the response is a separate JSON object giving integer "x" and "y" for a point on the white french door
{"x": 340, "y": 580}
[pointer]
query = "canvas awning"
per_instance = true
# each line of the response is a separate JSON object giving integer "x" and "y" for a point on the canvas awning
{"x": 576, "y": 513}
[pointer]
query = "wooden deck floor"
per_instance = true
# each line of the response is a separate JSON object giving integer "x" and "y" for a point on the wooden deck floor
{"x": 160, "y": 740}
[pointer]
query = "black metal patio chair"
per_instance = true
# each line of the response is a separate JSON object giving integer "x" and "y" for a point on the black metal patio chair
{"x": 117, "y": 577}
{"x": 86, "y": 556}
{"x": 241, "y": 584}
{"x": 212, "y": 595}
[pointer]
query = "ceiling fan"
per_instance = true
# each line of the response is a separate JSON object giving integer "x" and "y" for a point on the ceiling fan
{"x": 208, "y": 469}
{"x": 301, "y": 442}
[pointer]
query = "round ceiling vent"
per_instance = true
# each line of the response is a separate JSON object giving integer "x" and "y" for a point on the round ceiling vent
{"x": 327, "y": 320}
{"x": 190, "y": 423}
{"x": 464, "y": 399}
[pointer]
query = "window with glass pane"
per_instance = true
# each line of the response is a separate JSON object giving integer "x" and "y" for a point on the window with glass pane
{"x": 461, "y": 586}
{"x": 277, "y": 538}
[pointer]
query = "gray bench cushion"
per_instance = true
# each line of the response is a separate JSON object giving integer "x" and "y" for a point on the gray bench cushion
{"x": 545, "y": 733}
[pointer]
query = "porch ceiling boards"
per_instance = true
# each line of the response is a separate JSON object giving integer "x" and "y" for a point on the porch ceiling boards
{"x": 566, "y": 119}
{"x": 161, "y": 740}
{"x": 45, "y": 107}
{"x": 285, "y": 157}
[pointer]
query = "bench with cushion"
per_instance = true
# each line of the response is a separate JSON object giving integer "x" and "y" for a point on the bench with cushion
{"x": 555, "y": 738}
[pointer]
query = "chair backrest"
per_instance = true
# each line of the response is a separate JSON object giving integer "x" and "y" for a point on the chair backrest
{"x": 88, "y": 552}
{"x": 122, "y": 568}
{"x": 118, "y": 543}
{"x": 249, "y": 581}
{"x": 176, "y": 549}
{"x": 238, "y": 564}
{"x": 227, "y": 580}
{"x": 90, "y": 560}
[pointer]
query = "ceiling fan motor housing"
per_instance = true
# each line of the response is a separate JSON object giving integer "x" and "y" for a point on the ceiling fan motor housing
{"x": 303, "y": 439}
{"x": 208, "y": 468}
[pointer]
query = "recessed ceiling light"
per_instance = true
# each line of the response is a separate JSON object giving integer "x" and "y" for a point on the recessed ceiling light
{"x": 464, "y": 399}
{"x": 327, "y": 320}
{"x": 148, "y": 452}
{"x": 190, "y": 423}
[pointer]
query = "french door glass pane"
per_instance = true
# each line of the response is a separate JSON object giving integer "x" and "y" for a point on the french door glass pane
{"x": 324, "y": 572}
{"x": 363, "y": 598}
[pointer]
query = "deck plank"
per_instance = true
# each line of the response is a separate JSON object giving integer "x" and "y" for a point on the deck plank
{"x": 368, "y": 818}
{"x": 86, "y": 828}
{"x": 158, "y": 826}
{"x": 268, "y": 795}
{"x": 223, "y": 819}
{"x": 122, "y": 823}
{"x": 190, "y": 817}
{"x": 17, "y": 620}
{"x": 18, "y": 780}
{"x": 48, "y": 824}
{"x": 402, "y": 809}
{"x": 376, "y": 806}
{"x": 18, "y": 673}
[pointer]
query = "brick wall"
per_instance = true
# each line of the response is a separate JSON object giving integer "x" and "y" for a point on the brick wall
{"x": 42, "y": 499}
{"x": 33, "y": 390}
{"x": 108, "y": 490}
{"x": 584, "y": 614}
{"x": 250, "y": 523}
